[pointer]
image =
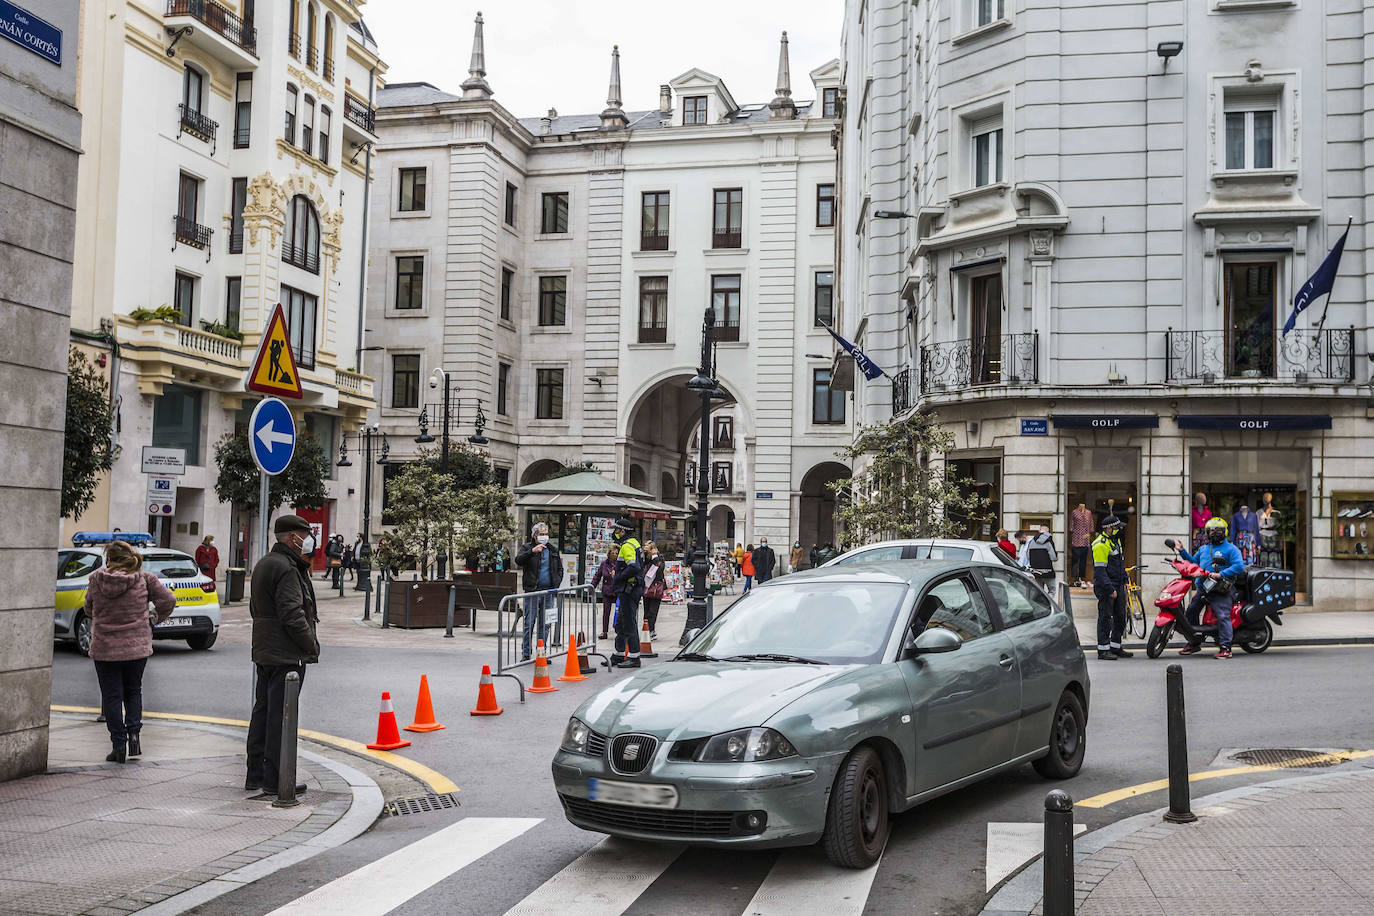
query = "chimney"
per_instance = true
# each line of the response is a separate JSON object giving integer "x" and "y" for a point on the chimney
{"x": 546, "y": 122}
{"x": 665, "y": 99}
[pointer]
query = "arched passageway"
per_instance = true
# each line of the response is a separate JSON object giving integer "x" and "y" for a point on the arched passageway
{"x": 817, "y": 510}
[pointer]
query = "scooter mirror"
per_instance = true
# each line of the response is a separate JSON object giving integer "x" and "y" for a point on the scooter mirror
{"x": 1170, "y": 543}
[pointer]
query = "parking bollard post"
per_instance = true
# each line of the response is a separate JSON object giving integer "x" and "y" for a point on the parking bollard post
{"x": 1180, "y": 805}
{"x": 290, "y": 720}
{"x": 1058, "y": 854}
{"x": 448, "y": 626}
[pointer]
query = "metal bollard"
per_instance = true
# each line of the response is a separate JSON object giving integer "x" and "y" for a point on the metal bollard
{"x": 367, "y": 598}
{"x": 290, "y": 720}
{"x": 1058, "y": 854}
{"x": 1180, "y": 805}
{"x": 448, "y": 627}
{"x": 384, "y": 607}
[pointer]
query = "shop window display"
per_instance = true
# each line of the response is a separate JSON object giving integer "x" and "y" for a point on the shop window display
{"x": 1352, "y": 525}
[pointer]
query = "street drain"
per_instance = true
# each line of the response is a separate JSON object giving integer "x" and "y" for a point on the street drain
{"x": 1288, "y": 757}
{"x": 421, "y": 804}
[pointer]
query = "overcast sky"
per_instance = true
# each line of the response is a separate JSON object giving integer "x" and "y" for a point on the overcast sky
{"x": 554, "y": 53}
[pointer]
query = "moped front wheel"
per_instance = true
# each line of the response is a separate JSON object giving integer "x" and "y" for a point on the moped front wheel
{"x": 1159, "y": 638}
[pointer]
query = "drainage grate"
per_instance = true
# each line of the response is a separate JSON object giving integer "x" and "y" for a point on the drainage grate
{"x": 1288, "y": 757}
{"x": 421, "y": 804}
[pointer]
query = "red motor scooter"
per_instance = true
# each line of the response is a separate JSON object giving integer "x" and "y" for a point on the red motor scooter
{"x": 1258, "y": 597}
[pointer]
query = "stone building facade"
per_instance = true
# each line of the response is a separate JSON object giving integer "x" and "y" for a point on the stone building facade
{"x": 1076, "y": 234}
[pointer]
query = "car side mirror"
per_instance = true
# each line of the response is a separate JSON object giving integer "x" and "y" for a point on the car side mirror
{"x": 936, "y": 640}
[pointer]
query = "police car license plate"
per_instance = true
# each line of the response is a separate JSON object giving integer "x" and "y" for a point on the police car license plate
{"x": 176, "y": 622}
{"x": 631, "y": 793}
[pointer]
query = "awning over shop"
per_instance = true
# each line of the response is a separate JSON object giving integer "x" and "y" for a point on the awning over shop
{"x": 1255, "y": 421}
{"x": 590, "y": 492}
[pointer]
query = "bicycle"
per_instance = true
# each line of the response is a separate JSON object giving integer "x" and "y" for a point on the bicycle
{"x": 1135, "y": 608}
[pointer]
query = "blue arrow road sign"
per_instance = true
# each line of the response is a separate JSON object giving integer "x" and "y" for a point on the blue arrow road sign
{"x": 271, "y": 436}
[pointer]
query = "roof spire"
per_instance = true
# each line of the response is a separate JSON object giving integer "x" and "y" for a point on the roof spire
{"x": 782, "y": 105}
{"x": 476, "y": 86}
{"x": 613, "y": 118}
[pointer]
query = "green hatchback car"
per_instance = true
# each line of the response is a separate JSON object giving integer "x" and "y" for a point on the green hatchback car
{"x": 823, "y": 702}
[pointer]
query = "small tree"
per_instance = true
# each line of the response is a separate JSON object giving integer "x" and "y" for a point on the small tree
{"x": 300, "y": 485}
{"x": 904, "y": 492}
{"x": 87, "y": 449}
{"x": 567, "y": 470}
{"x": 426, "y": 509}
{"x": 485, "y": 524}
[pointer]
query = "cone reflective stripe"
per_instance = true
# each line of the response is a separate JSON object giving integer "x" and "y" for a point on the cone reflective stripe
{"x": 646, "y": 648}
{"x": 542, "y": 684}
{"x": 424, "y": 710}
{"x": 388, "y": 736}
{"x": 572, "y": 670}
{"x": 486, "y": 696}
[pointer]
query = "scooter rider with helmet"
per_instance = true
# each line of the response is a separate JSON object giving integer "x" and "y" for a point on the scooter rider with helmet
{"x": 628, "y": 587}
{"x": 1109, "y": 585}
{"x": 1222, "y": 562}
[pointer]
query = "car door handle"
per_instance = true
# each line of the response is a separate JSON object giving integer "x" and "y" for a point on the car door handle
{"x": 1005, "y": 661}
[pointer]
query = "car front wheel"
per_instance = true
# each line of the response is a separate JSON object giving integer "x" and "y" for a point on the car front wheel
{"x": 856, "y": 824}
{"x": 82, "y": 629}
{"x": 1068, "y": 740}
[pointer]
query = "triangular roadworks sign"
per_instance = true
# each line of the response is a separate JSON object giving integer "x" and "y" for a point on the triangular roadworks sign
{"x": 274, "y": 368}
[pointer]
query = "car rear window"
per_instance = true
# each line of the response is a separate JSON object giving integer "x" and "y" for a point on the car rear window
{"x": 171, "y": 567}
{"x": 74, "y": 564}
{"x": 876, "y": 555}
{"x": 941, "y": 552}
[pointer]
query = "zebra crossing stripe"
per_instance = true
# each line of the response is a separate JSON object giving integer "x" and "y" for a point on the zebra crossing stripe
{"x": 802, "y": 881}
{"x": 603, "y": 881}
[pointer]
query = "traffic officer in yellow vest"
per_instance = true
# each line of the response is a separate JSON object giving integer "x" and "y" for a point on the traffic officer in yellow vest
{"x": 628, "y": 587}
{"x": 1109, "y": 585}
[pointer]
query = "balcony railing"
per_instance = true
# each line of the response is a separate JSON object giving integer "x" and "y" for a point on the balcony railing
{"x": 305, "y": 356}
{"x": 219, "y": 20}
{"x": 312, "y": 58}
{"x": 197, "y": 125}
{"x": 242, "y": 133}
{"x": 209, "y": 344}
{"x": 303, "y": 258}
{"x": 726, "y": 239}
{"x": 190, "y": 232}
{"x": 360, "y": 115}
{"x": 329, "y": 69}
{"x": 901, "y": 392}
{"x": 1303, "y": 357}
{"x": 1006, "y": 359}
{"x": 727, "y": 330}
{"x": 657, "y": 332}
{"x": 236, "y": 241}
{"x": 293, "y": 45}
{"x": 653, "y": 240}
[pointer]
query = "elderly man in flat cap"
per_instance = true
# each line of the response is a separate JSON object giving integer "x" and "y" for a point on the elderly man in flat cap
{"x": 284, "y": 640}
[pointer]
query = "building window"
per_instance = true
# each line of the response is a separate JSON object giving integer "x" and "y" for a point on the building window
{"x": 308, "y": 126}
{"x": 192, "y": 89}
{"x": 723, "y": 432}
{"x": 233, "y": 298}
{"x": 510, "y": 204}
{"x": 549, "y": 389}
{"x": 653, "y": 309}
{"x": 985, "y": 326}
{"x": 410, "y": 281}
{"x": 405, "y": 380}
{"x": 238, "y": 199}
{"x": 727, "y": 218}
{"x": 825, "y": 299}
{"x": 653, "y": 221}
{"x": 311, "y": 53}
{"x": 827, "y": 406}
{"x": 293, "y": 41}
{"x": 694, "y": 109}
{"x": 501, "y": 476}
{"x": 503, "y": 389}
{"x": 553, "y": 213}
{"x": 328, "y": 47}
{"x": 176, "y": 420}
{"x": 301, "y": 243}
{"x": 986, "y": 12}
{"x": 725, "y": 300}
{"x": 412, "y": 190}
{"x": 553, "y": 301}
{"x": 722, "y": 477}
{"x": 1251, "y": 131}
{"x": 324, "y": 133}
{"x": 300, "y": 308}
{"x": 291, "y": 95}
{"x": 825, "y": 206}
{"x": 184, "y": 298}
{"x": 1250, "y": 313}
{"x": 507, "y": 283}
{"x": 830, "y": 103}
{"x": 986, "y": 143}
{"x": 243, "y": 110}
{"x": 188, "y": 198}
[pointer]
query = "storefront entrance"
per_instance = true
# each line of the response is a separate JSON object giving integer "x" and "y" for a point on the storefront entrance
{"x": 1106, "y": 481}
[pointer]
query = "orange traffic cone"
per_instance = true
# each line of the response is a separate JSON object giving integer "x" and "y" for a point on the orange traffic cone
{"x": 388, "y": 737}
{"x": 583, "y": 665}
{"x": 424, "y": 710}
{"x": 646, "y": 648}
{"x": 572, "y": 670}
{"x": 486, "y": 696}
{"x": 541, "y": 671}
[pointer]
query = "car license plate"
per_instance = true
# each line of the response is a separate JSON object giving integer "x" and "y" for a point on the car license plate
{"x": 632, "y": 793}
{"x": 176, "y": 622}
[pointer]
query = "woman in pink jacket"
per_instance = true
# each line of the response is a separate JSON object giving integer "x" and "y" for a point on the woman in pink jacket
{"x": 122, "y": 639}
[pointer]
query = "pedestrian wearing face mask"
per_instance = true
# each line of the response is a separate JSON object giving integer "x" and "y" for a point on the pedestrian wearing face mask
{"x": 284, "y": 640}
{"x": 542, "y": 571}
{"x": 1109, "y": 585}
{"x": 794, "y": 560}
{"x": 765, "y": 561}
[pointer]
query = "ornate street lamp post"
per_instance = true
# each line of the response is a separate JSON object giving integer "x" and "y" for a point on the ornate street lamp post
{"x": 704, "y": 384}
{"x": 436, "y": 378}
{"x": 364, "y": 444}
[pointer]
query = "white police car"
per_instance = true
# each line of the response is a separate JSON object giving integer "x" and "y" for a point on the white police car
{"x": 196, "y": 618}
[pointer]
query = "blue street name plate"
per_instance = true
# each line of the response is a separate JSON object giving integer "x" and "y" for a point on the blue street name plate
{"x": 763, "y": 495}
{"x": 271, "y": 436}
{"x": 1035, "y": 427}
{"x": 35, "y": 35}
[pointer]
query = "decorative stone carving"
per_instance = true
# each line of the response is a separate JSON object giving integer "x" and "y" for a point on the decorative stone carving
{"x": 1041, "y": 243}
{"x": 1254, "y": 73}
{"x": 265, "y": 208}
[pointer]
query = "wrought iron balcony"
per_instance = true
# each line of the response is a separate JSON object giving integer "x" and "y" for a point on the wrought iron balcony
{"x": 653, "y": 240}
{"x": 329, "y": 69}
{"x": 726, "y": 330}
{"x": 1301, "y": 357}
{"x": 657, "y": 332}
{"x": 312, "y": 58}
{"x": 726, "y": 239}
{"x": 303, "y": 258}
{"x": 293, "y": 45}
{"x": 360, "y": 115}
{"x": 219, "y": 20}
{"x": 1006, "y": 359}
{"x": 197, "y": 125}
{"x": 190, "y": 232}
{"x": 901, "y": 392}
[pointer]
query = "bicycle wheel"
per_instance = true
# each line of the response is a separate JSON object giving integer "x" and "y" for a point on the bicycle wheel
{"x": 1135, "y": 614}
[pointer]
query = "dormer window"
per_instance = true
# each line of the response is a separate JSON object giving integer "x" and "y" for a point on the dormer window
{"x": 694, "y": 109}
{"x": 830, "y": 103}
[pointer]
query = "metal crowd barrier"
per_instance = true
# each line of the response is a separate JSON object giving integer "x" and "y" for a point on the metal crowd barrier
{"x": 567, "y": 611}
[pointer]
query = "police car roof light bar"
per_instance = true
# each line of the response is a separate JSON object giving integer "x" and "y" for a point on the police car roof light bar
{"x": 133, "y": 538}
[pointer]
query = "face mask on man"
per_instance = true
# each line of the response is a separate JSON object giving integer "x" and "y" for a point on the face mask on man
{"x": 763, "y": 543}
{"x": 1216, "y": 537}
{"x": 542, "y": 539}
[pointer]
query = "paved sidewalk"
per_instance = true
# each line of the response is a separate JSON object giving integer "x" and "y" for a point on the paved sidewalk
{"x": 1299, "y": 627}
{"x": 106, "y": 838}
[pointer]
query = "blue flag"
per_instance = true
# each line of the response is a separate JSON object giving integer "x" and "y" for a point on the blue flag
{"x": 1319, "y": 284}
{"x": 867, "y": 366}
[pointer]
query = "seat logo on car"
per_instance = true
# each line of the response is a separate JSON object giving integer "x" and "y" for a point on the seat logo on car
{"x": 630, "y": 753}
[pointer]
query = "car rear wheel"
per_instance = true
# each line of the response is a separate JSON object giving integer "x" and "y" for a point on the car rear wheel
{"x": 82, "y": 629}
{"x": 202, "y": 641}
{"x": 1068, "y": 740}
{"x": 856, "y": 824}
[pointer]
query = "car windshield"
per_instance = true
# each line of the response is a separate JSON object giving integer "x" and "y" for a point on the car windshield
{"x": 170, "y": 566}
{"x": 838, "y": 623}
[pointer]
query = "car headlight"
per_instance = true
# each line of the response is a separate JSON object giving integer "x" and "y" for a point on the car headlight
{"x": 745, "y": 745}
{"x": 575, "y": 736}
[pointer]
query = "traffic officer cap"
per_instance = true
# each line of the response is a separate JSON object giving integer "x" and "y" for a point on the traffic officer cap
{"x": 624, "y": 524}
{"x": 287, "y": 523}
{"x": 1111, "y": 522}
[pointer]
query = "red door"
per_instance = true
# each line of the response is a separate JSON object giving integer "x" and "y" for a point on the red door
{"x": 319, "y": 526}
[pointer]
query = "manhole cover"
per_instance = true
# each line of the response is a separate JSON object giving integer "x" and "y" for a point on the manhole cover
{"x": 421, "y": 804}
{"x": 1288, "y": 757}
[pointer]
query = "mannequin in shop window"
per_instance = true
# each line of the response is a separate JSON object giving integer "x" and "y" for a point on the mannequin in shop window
{"x": 1271, "y": 552}
{"x": 1201, "y": 515}
{"x": 1245, "y": 532}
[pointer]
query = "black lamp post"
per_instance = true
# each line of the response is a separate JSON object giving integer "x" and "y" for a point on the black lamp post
{"x": 704, "y": 384}
{"x": 436, "y": 378}
{"x": 364, "y": 444}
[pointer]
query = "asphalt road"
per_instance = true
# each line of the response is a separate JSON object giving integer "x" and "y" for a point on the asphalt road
{"x": 934, "y": 862}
